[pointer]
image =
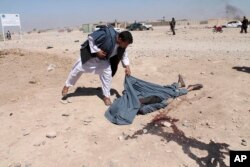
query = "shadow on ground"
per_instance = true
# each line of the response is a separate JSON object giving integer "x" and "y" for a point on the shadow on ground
{"x": 83, "y": 91}
{"x": 216, "y": 152}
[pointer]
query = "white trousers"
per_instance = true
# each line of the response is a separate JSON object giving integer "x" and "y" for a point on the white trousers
{"x": 95, "y": 66}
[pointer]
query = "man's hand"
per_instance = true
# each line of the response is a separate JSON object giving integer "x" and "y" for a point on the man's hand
{"x": 101, "y": 54}
{"x": 127, "y": 71}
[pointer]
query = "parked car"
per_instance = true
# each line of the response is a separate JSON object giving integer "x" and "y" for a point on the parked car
{"x": 148, "y": 26}
{"x": 233, "y": 24}
{"x": 136, "y": 26}
{"x": 99, "y": 26}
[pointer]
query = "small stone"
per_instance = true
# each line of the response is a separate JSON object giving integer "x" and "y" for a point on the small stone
{"x": 18, "y": 164}
{"x": 185, "y": 123}
{"x": 51, "y": 67}
{"x": 168, "y": 151}
{"x": 11, "y": 114}
{"x": 200, "y": 112}
{"x": 64, "y": 101}
{"x": 37, "y": 144}
{"x": 69, "y": 100}
{"x": 32, "y": 82}
{"x": 77, "y": 41}
{"x": 243, "y": 142}
{"x": 51, "y": 135}
{"x": 211, "y": 73}
{"x": 145, "y": 130}
{"x": 49, "y": 47}
{"x": 28, "y": 165}
{"x": 202, "y": 73}
{"x": 26, "y": 133}
{"x": 166, "y": 124}
{"x": 65, "y": 115}
{"x": 121, "y": 138}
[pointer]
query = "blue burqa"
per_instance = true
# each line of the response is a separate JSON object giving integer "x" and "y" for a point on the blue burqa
{"x": 124, "y": 109}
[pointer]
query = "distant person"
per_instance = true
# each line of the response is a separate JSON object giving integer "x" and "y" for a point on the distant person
{"x": 101, "y": 54}
{"x": 172, "y": 25}
{"x": 244, "y": 25}
{"x": 8, "y": 35}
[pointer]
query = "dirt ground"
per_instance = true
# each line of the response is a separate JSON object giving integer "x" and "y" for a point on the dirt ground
{"x": 205, "y": 124}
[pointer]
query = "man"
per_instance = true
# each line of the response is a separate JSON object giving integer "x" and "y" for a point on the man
{"x": 8, "y": 35}
{"x": 172, "y": 25}
{"x": 101, "y": 54}
{"x": 244, "y": 25}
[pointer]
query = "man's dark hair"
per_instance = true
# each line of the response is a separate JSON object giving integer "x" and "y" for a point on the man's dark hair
{"x": 126, "y": 36}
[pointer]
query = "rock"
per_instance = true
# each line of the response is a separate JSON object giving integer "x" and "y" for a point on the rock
{"x": 200, "y": 112}
{"x": 113, "y": 163}
{"x": 32, "y": 81}
{"x": 121, "y": 138}
{"x": 186, "y": 123}
{"x": 64, "y": 101}
{"x": 145, "y": 131}
{"x": 18, "y": 164}
{"x": 211, "y": 73}
{"x": 65, "y": 115}
{"x": 77, "y": 41}
{"x": 26, "y": 133}
{"x": 11, "y": 114}
{"x": 49, "y": 47}
{"x": 28, "y": 165}
{"x": 202, "y": 73}
{"x": 39, "y": 143}
{"x": 69, "y": 100}
{"x": 51, "y": 67}
{"x": 166, "y": 124}
{"x": 51, "y": 135}
{"x": 243, "y": 142}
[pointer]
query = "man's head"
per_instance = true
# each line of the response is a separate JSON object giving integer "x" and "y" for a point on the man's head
{"x": 124, "y": 39}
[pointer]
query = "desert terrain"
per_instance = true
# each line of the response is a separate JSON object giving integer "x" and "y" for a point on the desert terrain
{"x": 38, "y": 130}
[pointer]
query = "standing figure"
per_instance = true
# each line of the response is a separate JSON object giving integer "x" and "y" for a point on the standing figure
{"x": 244, "y": 25}
{"x": 101, "y": 54}
{"x": 172, "y": 25}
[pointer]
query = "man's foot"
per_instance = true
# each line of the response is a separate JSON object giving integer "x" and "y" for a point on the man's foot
{"x": 107, "y": 101}
{"x": 181, "y": 81}
{"x": 194, "y": 87}
{"x": 65, "y": 91}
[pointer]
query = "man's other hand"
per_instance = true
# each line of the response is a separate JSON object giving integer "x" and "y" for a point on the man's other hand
{"x": 127, "y": 71}
{"x": 101, "y": 54}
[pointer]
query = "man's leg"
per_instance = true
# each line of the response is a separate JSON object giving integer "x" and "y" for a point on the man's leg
{"x": 74, "y": 75}
{"x": 106, "y": 79}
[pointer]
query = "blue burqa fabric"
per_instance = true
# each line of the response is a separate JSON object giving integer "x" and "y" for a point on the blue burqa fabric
{"x": 124, "y": 109}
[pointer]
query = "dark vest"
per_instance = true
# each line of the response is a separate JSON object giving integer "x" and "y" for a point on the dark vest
{"x": 105, "y": 39}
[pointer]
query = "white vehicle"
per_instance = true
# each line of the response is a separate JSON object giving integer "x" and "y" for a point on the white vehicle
{"x": 99, "y": 26}
{"x": 147, "y": 26}
{"x": 233, "y": 24}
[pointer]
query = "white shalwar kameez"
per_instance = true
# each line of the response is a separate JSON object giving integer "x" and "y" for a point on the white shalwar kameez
{"x": 96, "y": 66}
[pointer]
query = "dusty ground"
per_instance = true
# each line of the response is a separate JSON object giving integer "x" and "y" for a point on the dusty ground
{"x": 205, "y": 123}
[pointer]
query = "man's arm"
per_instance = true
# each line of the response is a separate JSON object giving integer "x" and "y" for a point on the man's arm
{"x": 125, "y": 63}
{"x": 95, "y": 49}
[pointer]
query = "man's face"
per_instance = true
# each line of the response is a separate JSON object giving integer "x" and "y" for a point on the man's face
{"x": 121, "y": 43}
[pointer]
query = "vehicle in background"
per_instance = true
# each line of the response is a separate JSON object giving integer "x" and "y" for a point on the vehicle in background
{"x": 100, "y": 26}
{"x": 139, "y": 26}
{"x": 233, "y": 24}
{"x": 148, "y": 26}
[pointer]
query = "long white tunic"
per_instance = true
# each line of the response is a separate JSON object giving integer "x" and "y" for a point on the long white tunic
{"x": 96, "y": 66}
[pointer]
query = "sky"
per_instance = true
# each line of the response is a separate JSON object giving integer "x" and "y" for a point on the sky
{"x": 42, "y": 14}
